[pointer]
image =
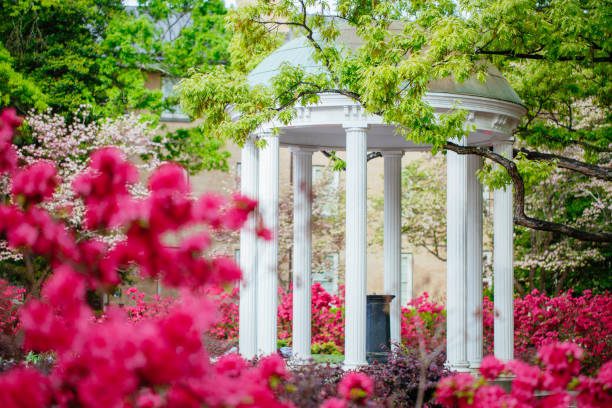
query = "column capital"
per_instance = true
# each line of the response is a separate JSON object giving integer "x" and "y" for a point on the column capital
{"x": 504, "y": 142}
{"x": 355, "y": 126}
{"x": 264, "y": 132}
{"x": 303, "y": 149}
{"x": 392, "y": 153}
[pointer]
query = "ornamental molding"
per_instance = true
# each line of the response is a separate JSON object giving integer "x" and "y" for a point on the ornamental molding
{"x": 303, "y": 113}
{"x": 354, "y": 113}
{"x": 500, "y": 122}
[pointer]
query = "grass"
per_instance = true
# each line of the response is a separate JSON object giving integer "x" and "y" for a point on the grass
{"x": 328, "y": 358}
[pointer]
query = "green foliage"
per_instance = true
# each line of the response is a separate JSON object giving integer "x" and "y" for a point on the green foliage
{"x": 194, "y": 149}
{"x": 330, "y": 348}
{"x": 97, "y": 53}
{"x": 15, "y": 89}
{"x": 63, "y": 55}
{"x": 555, "y": 54}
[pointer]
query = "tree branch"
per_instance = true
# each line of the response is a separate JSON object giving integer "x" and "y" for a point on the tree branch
{"x": 587, "y": 169}
{"x": 512, "y": 54}
{"x": 520, "y": 218}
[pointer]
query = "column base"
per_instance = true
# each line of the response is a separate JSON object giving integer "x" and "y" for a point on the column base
{"x": 460, "y": 367}
{"x": 299, "y": 361}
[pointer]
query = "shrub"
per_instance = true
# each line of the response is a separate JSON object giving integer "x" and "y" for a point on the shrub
{"x": 116, "y": 361}
{"x": 311, "y": 384}
{"x": 325, "y": 348}
{"x": 423, "y": 321}
{"x": 397, "y": 382}
{"x": 159, "y": 307}
{"x": 327, "y": 313}
{"x": 11, "y": 299}
{"x": 555, "y": 382}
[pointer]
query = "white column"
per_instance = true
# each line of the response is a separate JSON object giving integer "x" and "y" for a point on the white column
{"x": 356, "y": 223}
{"x": 503, "y": 273}
{"x": 247, "y": 336}
{"x": 267, "y": 260}
{"x": 393, "y": 239}
{"x": 456, "y": 266}
{"x": 474, "y": 262}
{"x": 302, "y": 252}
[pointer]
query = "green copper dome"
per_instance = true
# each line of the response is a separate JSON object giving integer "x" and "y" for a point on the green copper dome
{"x": 297, "y": 53}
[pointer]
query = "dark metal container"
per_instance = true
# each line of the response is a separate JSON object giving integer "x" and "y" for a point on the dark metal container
{"x": 378, "y": 328}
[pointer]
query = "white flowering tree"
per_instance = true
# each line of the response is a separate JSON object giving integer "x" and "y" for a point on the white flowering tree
{"x": 68, "y": 143}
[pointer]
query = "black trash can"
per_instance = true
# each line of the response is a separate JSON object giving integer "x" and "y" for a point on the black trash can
{"x": 378, "y": 328}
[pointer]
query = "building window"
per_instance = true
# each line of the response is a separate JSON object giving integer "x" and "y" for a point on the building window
{"x": 406, "y": 289}
{"x": 237, "y": 256}
{"x": 328, "y": 278}
{"x": 175, "y": 114}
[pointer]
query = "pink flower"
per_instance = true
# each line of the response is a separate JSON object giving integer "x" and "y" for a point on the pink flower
{"x": 208, "y": 209}
{"x": 170, "y": 177}
{"x": 9, "y": 118}
{"x": 35, "y": 183}
{"x": 604, "y": 376}
{"x": 9, "y": 121}
{"x": 24, "y": 388}
{"x": 235, "y": 217}
{"x": 558, "y": 400}
{"x": 526, "y": 381}
{"x": 490, "y": 396}
{"x": 45, "y": 236}
{"x": 334, "y": 403}
{"x": 455, "y": 390}
{"x": 148, "y": 399}
{"x": 8, "y": 158}
{"x": 44, "y": 331}
{"x": 355, "y": 387}
{"x": 225, "y": 269}
{"x": 491, "y": 367}
{"x": 264, "y": 233}
{"x": 231, "y": 365}
{"x": 272, "y": 368}
{"x": 104, "y": 186}
{"x": 561, "y": 357}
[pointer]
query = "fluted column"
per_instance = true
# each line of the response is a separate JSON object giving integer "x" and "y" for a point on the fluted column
{"x": 474, "y": 262}
{"x": 355, "y": 277}
{"x": 456, "y": 266}
{"x": 302, "y": 252}
{"x": 267, "y": 261}
{"x": 247, "y": 330}
{"x": 393, "y": 239}
{"x": 503, "y": 272}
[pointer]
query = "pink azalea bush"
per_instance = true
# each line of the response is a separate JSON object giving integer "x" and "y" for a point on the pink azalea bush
{"x": 142, "y": 309}
{"x": 327, "y": 313}
{"x": 11, "y": 298}
{"x": 117, "y": 361}
{"x": 555, "y": 382}
{"x": 226, "y": 304}
{"x": 145, "y": 355}
{"x": 423, "y": 321}
{"x": 327, "y": 316}
{"x": 538, "y": 320}
{"x": 585, "y": 320}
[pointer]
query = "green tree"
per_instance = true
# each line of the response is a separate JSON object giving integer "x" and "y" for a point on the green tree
{"x": 62, "y": 55}
{"x": 556, "y": 54}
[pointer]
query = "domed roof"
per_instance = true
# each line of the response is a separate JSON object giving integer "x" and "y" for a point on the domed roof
{"x": 297, "y": 53}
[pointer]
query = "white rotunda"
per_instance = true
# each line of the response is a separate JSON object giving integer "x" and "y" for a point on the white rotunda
{"x": 338, "y": 123}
